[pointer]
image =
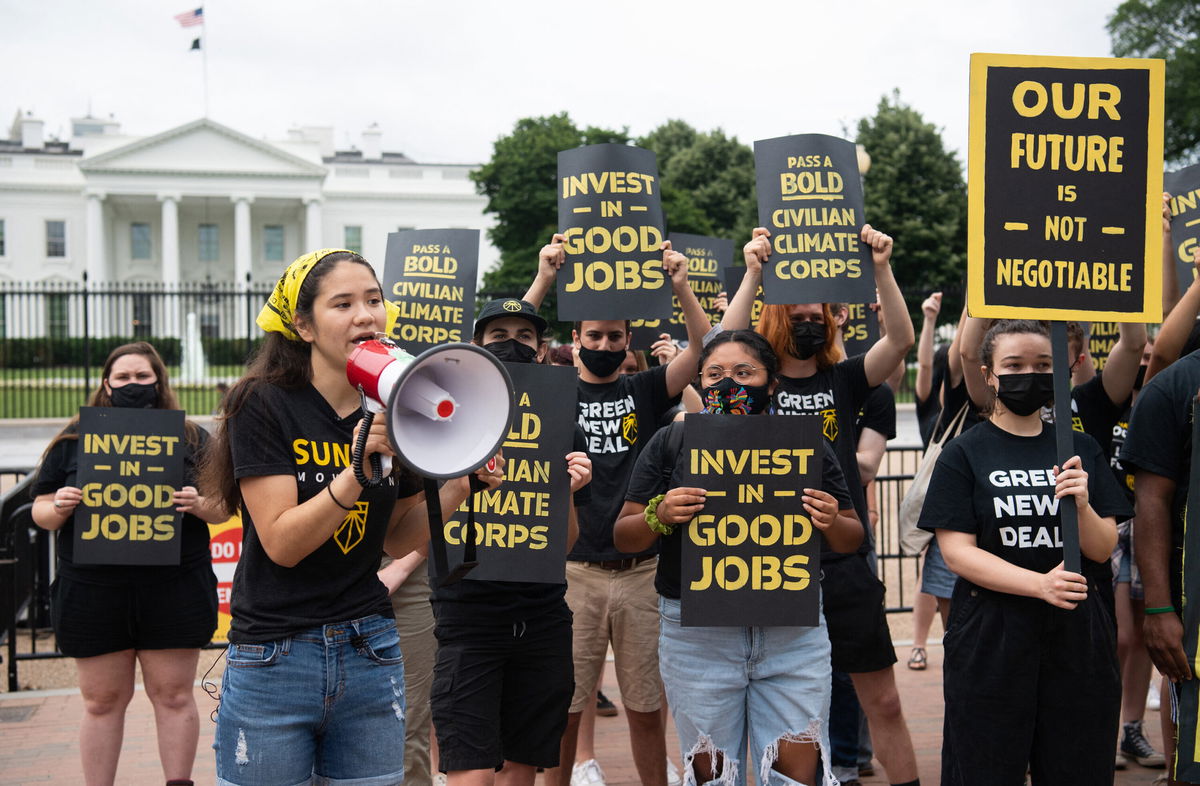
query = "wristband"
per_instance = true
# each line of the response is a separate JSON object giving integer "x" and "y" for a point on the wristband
{"x": 652, "y": 520}
{"x": 1161, "y": 610}
{"x": 329, "y": 488}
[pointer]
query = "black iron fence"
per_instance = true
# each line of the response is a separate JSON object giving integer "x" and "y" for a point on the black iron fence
{"x": 54, "y": 337}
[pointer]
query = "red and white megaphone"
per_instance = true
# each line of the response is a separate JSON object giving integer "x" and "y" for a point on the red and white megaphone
{"x": 448, "y": 409}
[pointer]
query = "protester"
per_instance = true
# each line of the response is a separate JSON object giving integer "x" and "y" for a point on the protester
{"x": 610, "y": 592}
{"x": 314, "y": 681}
{"x": 504, "y": 678}
{"x": 724, "y": 683}
{"x": 814, "y": 380}
{"x": 1030, "y": 671}
{"x": 111, "y": 617}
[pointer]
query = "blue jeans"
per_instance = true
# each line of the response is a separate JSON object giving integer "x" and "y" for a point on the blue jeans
{"x": 325, "y": 706}
{"x": 724, "y": 682}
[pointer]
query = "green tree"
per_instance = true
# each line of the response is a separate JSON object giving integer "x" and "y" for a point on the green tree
{"x": 915, "y": 192}
{"x": 520, "y": 183}
{"x": 1169, "y": 29}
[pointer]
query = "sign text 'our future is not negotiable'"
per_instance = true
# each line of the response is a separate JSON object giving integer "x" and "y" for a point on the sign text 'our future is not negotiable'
{"x": 1065, "y": 176}
{"x": 810, "y": 197}
{"x": 430, "y": 275}
{"x": 610, "y": 212}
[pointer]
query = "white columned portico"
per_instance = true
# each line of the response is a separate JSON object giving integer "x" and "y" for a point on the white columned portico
{"x": 170, "y": 238}
{"x": 97, "y": 262}
{"x": 312, "y": 225}
{"x": 241, "y": 239}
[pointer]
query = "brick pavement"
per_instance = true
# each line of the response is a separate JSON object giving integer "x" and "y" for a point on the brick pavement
{"x": 43, "y": 747}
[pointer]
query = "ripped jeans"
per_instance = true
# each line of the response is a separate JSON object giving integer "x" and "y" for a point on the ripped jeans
{"x": 325, "y": 706}
{"x": 724, "y": 683}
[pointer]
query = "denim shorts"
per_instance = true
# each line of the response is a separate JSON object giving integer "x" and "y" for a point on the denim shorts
{"x": 936, "y": 578}
{"x": 1124, "y": 561}
{"x": 325, "y": 706}
{"x": 718, "y": 680}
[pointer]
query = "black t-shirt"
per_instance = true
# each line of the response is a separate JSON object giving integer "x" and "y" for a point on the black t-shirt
{"x": 953, "y": 399}
{"x": 59, "y": 469}
{"x": 657, "y": 471}
{"x": 878, "y": 413}
{"x": 618, "y": 418}
{"x": 297, "y": 433}
{"x": 836, "y": 395}
{"x": 929, "y": 408}
{"x": 1123, "y": 474}
{"x": 1094, "y": 413}
{"x": 1000, "y": 487}
{"x": 1160, "y": 435}
{"x": 471, "y": 601}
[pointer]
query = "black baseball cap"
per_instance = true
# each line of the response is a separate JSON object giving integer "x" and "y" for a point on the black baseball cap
{"x": 509, "y": 307}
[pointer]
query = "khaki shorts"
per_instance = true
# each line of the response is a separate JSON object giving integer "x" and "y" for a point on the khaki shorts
{"x": 621, "y": 607}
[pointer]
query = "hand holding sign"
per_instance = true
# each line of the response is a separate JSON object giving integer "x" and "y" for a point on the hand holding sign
{"x": 551, "y": 257}
{"x": 821, "y": 506}
{"x": 66, "y": 499}
{"x": 880, "y": 243}
{"x": 579, "y": 467}
{"x": 1071, "y": 481}
{"x": 665, "y": 349}
{"x": 675, "y": 264}
{"x": 1062, "y": 588}
{"x": 758, "y": 250}
{"x": 188, "y": 500}
{"x": 680, "y": 505}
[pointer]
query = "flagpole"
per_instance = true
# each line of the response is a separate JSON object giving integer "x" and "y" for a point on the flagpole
{"x": 204, "y": 64}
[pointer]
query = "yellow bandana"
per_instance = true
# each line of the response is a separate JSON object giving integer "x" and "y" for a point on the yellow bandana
{"x": 278, "y": 312}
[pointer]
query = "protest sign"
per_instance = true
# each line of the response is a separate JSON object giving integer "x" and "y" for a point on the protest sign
{"x": 130, "y": 464}
{"x": 1186, "y": 767}
{"x": 610, "y": 211}
{"x": 1184, "y": 187}
{"x": 752, "y": 556}
{"x": 706, "y": 256}
{"x": 810, "y": 196}
{"x": 225, "y": 544}
{"x": 733, "y": 282}
{"x": 430, "y": 274}
{"x": 1100, "y": 340}
{"x": 861, "y": 330}
{"x": 521, "y": 526}
{"x": 1065, "y": 175}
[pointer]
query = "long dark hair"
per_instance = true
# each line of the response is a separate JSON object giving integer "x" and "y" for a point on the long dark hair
{"x": 279, "y": 361}
{"x": 755, "y": 344}
{"x": 101, "y": 398}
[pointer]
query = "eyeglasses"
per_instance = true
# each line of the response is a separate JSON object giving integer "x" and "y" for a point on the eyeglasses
{"x": 741, "y": 373}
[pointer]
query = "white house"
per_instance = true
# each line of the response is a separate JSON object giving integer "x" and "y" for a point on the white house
{"x": 203, "y": 202}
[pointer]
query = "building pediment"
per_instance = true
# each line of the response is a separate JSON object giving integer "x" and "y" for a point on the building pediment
{"x": 202, "y": 147}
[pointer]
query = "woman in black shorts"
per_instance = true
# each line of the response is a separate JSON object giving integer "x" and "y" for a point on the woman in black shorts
{"x": 109, "y": 616}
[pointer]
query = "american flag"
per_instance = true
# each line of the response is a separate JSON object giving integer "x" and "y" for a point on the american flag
{"x": 191, "y": 18}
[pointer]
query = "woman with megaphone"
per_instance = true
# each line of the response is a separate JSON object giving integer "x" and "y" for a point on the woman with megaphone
{"x": 313, "y": 685}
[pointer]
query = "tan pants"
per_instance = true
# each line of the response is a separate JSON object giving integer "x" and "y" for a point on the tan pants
{"x": 621, "y": 607}
{"x": 414, "y": 620}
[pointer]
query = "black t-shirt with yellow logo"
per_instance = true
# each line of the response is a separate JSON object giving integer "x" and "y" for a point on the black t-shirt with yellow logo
{"x": 297, "y": 433}
{"x": 836, "y": 395}
{"x": 618, "y": 419}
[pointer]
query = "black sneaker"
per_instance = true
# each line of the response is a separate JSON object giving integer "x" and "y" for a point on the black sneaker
{"x": 1136, "y": 748}
{"x": 606, "y": 708}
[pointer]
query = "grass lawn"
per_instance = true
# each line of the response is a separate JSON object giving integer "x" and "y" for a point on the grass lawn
{"x": 63, "y": 401}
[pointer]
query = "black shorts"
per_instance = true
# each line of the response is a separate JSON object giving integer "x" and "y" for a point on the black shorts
{"x": 854, "y": 614}
{"x": 96, "y": 619}
{"x": 501, "y": 692}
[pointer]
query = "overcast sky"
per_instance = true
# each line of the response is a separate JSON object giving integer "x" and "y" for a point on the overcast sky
{"x": 444, "y": 79}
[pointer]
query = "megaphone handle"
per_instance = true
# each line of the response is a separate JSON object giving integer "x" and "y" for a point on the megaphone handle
{"x": 356, "y": 456}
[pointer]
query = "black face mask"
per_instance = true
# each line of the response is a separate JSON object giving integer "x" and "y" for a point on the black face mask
{"x": 729, "y": 398}
{"x": 511, "y": 351}
{"x": 1024, "y": 394}
{"x": 135, "y": 396}
{"x": 809, "y": 338}
{"x": 1140, "y": 379}
{"x": 602, "y": 362}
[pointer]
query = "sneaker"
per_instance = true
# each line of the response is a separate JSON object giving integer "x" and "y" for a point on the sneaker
{"x": 1135, "y": 747}
{"x": 604, "y": 705}
{"x": 439, "y": 779}
{"x": 674, "y": 778}
{"x": 1120, "y": 763}
{"x": 587, "y": 773}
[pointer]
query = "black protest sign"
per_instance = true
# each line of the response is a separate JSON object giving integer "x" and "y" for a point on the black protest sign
{"x": 1184, "y": 188}
{"x": 752, "y": 556}
{"x": 1065, "y": 176}
{"x": 1100, "y": 342}
{"x": 521, "y": 526}
{"x": 1187, "y": 753}
{"x": 130, "y": 465}
{"x": 610, "y": 211}
{"x": 861, "y": 330}
{"x": 706, "y": 256}
{"x": 430, "y": 275}
{"x": 733, "y": 282}
{"x": 810, "y": 196}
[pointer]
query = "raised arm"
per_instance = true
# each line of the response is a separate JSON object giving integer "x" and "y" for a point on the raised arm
{"x": 682, "y": 368}
{"x": 930, "y": 309}
{"x": 1170, "y": 276}
{"x": 550, "y": 259}
{"x": 1176, "y": 328}
{"x": 891, "y": 349}
{"x": 1120, "y": 371}
{"x": 755, "y": 253}
{"x": 970, "y": 339}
